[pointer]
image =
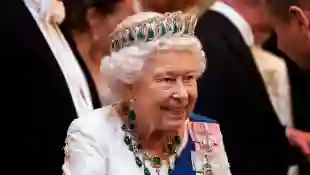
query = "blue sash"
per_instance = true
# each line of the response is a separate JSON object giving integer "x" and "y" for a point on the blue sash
{"x": 184, "y": 164}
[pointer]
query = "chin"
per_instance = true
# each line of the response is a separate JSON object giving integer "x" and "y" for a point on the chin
{"x": 173, "y": 124}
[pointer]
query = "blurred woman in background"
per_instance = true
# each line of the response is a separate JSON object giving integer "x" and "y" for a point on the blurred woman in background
{"x": 90, "y": 23}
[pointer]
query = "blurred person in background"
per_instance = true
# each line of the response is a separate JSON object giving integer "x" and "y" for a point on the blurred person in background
{"x": 235, "y": 88}
{"x": 166, "y": 5}
{"x": 200, "y": 7}
{"x": 52, "y": 86}
{"x": 190, "y": 6}
{"x": 291, "y": 20}
{"x": 90, "y": 23}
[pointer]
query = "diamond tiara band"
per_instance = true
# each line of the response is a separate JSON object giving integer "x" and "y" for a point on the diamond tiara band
{"x": 170, "y": 24}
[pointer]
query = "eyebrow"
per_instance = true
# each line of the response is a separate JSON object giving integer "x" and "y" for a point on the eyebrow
{"x": 172, "y": 73}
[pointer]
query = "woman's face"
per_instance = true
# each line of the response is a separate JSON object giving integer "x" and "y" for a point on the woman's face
{"x": 103, "y": 25}
{"x": 166, "y": 90}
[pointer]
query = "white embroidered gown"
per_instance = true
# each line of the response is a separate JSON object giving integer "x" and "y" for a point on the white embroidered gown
{"x": 95, "y": 146}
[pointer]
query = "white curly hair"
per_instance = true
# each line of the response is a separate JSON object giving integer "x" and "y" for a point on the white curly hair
{"x": 126, "y": 64}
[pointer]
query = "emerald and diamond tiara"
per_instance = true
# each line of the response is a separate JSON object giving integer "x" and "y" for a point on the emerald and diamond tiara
{"x": 177, "y": 23}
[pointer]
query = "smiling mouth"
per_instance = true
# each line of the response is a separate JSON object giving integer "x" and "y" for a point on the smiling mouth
{"x": 174, "y": 111}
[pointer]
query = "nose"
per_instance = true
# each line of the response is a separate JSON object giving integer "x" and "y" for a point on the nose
{"x": 180, "y": 91}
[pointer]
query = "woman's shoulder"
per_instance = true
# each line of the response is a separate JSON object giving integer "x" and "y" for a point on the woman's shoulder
{"x": 87, "y": 142}
{"x": 203, "y": 119}
{"x": 95, "y": 124}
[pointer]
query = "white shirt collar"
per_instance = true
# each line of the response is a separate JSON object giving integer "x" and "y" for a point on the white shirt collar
{"x": 239, "y": 22}
{"x": 70, "y": 68}
{"x": 48, "y": 10}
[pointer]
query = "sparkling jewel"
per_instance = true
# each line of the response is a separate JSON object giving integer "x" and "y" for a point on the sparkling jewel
{"x": 148, "y": 30}
{"x": 123, "y": 127}
{"x": 177, "y": 140}
{"x": 169, "y": 171}
{"x": 131, "y": 148}
{"x": 156, "y": 161}
{"x": 127, "y": 140}
{"x": 146, "y": 171}
{"x": 138, "y": 161}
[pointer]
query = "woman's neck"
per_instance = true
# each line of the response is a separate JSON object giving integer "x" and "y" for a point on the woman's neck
{"x": 90, "y": 54}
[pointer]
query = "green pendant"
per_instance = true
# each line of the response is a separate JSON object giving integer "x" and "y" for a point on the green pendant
{"x": 156, "y": 161}
{"x": 132, "y": 116}
{"x": 177, "y": 140}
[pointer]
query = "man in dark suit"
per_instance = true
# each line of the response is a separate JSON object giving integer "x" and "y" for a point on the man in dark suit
{"x": 299, "y": 82}
{"x": 291, "y": 22}
{"x": 52, "y": 86}
{"x": 233, "y": 92}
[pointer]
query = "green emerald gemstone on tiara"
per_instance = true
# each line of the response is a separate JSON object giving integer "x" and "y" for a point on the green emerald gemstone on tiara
{"x": 163, "y": 29}
{"x": 150, "y": 34}
{"x": 151, "y": 29}
{"x": 140, "y": 35}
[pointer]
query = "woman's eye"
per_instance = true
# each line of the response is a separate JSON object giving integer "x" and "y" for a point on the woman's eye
{"x": 167, "y": 79}
{"x": 190, "y": 77}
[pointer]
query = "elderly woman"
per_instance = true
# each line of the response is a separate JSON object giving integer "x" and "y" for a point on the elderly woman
{"x": 153, "y": 67}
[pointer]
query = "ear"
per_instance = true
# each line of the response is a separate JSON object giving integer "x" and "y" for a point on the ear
{"x": 300, "y": 16}
{"x": 94, "y": 20}
{"x": 127, "y": 91}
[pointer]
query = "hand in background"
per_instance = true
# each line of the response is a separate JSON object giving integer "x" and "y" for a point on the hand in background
{"x": 300, "y": 139}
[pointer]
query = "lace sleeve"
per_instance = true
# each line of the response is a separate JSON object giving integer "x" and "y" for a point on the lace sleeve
{"x": 84, "y": 153}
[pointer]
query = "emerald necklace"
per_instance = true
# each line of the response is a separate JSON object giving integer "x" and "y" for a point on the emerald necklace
{"x": 173, "y": 142}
